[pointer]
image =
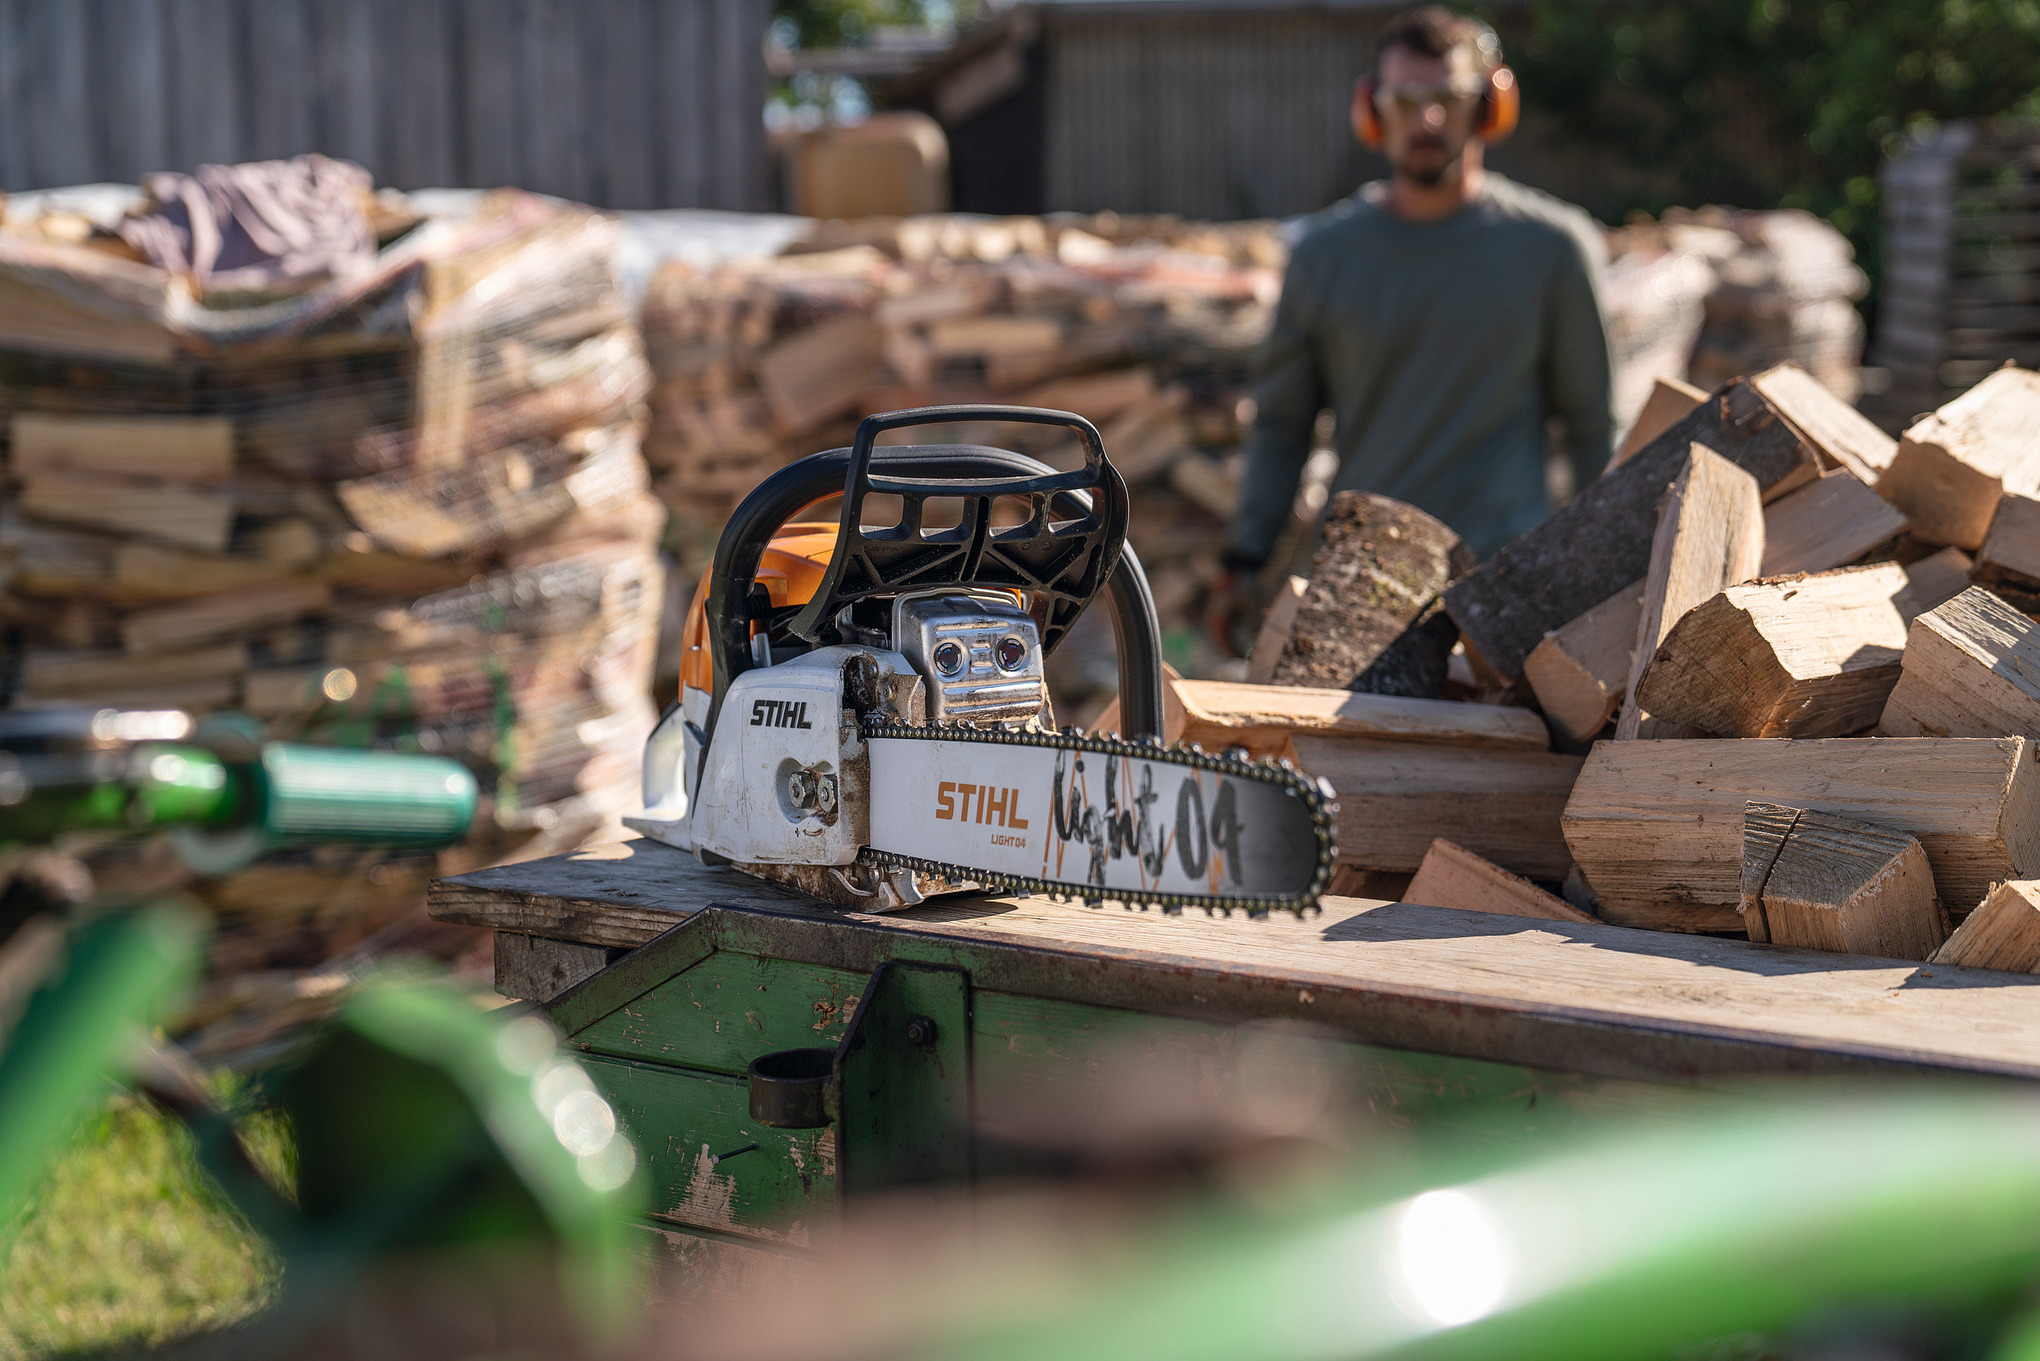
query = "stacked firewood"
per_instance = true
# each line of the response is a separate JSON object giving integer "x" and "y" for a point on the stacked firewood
{"x": 1776, "y": 675}
{"x": 402, "y": 507}
{"x": 1147, "y": 326}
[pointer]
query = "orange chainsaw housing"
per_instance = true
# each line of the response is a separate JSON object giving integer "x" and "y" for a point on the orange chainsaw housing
{"x": 791, "y": 571}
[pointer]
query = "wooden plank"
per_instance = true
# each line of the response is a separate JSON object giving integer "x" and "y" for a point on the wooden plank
{"x": 2002, "y": 933}
{"x": 181, "y": 448}
{"x": 490, "y": 34}
{"x": 1971, "y": 669}
{"x": 1823, "y": 882}
{"x": 725, "y": 1011}
{"x": 1710, "y": 535}
{"x": 1276, "y": 627}
{"x": 1220, "y": 714}
{"x": 534, "y": 969}
{"x": 1827, "y": 422}
{"x": 131, "y": 32}
{"x": 1804, "y": 656}
{"x": 207, "y": 98}
{"x": 163, "y": 628}
{"x": 1670, "y": 400}
{"x": 1452, "y": 876}
{"x": 193, "y": 517}
{"x": 1657, "y": 826}
{"x": 1579, "y": 672}
{"x": 1395, "y": 798}
{"x": 51, "y": 674}
{"x": 1568, "y": 997}
{"x": 613, "y": 894}
{"x": 1600, "y": 541}
{"x": 1828, "y": 523}
{"x": 1953, "y": 465}
{"x": 279, "y": 114}
{"x": 1371, "y": 620}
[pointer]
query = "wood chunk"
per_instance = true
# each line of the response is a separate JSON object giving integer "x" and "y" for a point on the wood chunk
{"x": 1371, "y": 620}
{"x": 1971, "y": 669}
{"x": 194, "y": 517}
{"x": 1600, "y": 541}
{"x": 1952, "y": 466}
{"x": 146, "y": 569}
{"x": 1826, "y": 422}
{"x": 1805, "y": 656}
{"x": 1828, "y": 523}
{"x": 188, "y": 623}
{"x": 1097, "y": 397}
{"x": 1276, "y": 626}
{"x": 1669, "y": 401}
{"x": 1657, "y": 826}
{"x": 1710, "y": 535}
{"x": 1395, "y": 798}
{"x": 1933, "y": 581}
{"x": 1350, "y": 881}
{"x": 2002, "y": 933}
{"x": 1578, "y": 672}
{"x": 1821, "y": 882}
{"x": 2010, "y": 555}
{"x": 180, "y": 448}
{"x": 820, "y": 372}
{"x": 1452, "y": 876}
{"x": 1262, "y": 718}
{"x": 48, "y": 674}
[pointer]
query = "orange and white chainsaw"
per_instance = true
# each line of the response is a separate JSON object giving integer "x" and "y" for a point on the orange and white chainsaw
{"x": 864, "y": 712}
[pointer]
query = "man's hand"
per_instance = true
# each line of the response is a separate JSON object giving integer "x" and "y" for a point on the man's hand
{"x": 1232, "y": 609}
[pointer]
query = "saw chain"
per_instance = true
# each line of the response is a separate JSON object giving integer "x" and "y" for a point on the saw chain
{"x": 1315, "y": 793}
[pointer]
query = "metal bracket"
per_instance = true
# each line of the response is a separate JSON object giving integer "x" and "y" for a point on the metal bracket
{"x": 902, "y": 1085}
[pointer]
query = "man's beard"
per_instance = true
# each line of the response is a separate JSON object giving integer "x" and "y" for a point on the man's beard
{"x": 1429, "y": 174}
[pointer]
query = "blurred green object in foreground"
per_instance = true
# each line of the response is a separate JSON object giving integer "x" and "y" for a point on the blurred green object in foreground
{"x": 1770, "y": 1219}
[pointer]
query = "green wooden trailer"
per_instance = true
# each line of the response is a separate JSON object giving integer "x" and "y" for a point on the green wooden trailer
{"x": 673, "y": 979}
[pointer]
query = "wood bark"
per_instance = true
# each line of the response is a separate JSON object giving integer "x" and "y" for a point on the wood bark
{"x": 1710, "y": 535}
{"x": 1821, "y": 882}
{"x": 1395, "y": 798}
{"x": 1971, "y": 669}
{"x": 1452, "y": 876}
{"x": 1600, "y": 541}
{"x": 1657, "y": 826}
{"x": 1371, "y": 619}
{"x": 1578, "y": 672}
{"x": 2002, "y": 933}
{"x": 1803, "y": 656}
{"x": 1952, "y": 466}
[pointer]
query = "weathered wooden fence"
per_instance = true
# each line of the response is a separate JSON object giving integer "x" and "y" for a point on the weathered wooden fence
{"x": 619, "y": 103}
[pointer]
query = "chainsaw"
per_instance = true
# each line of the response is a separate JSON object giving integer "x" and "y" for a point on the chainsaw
{"x": 864, "y": 711}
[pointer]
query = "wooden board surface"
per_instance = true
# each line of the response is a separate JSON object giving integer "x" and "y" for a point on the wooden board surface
{"x": 1567, "y": 996}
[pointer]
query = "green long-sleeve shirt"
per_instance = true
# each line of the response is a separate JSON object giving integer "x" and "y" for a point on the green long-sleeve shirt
{"x": 1441, "y": 348}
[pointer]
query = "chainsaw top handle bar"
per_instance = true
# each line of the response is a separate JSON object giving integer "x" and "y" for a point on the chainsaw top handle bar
{"x": 1061, "y": 564}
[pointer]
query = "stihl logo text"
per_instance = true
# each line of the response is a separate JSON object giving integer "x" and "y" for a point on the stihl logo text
{"x": 779, "y": 713}
{"x": 996, "y": 807}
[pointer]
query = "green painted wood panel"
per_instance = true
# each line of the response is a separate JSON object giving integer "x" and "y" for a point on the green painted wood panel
{"x": 1099, "y": 1068}
{"x": 727, "y": 1010}
{"x": 686, "y": 1127}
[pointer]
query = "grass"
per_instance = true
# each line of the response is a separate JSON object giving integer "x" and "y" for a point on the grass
{"x": 126, "y": 1243}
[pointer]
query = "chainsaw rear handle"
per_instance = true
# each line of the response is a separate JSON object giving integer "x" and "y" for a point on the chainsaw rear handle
{"x": 951, "y": 470}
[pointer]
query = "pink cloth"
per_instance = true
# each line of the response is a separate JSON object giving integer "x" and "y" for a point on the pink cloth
{"x": 261, "y": 225}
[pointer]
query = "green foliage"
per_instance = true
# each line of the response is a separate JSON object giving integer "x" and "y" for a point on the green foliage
{"x": 1756, "y": 103}
{"x": 850, "y": 23}
{"x": 126, "y": 1244}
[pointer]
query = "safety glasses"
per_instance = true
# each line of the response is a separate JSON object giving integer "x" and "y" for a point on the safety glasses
{"x": 1409, "y": 101}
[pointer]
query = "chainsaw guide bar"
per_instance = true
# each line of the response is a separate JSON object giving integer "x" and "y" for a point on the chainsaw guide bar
{"x": 1288, "y": 813}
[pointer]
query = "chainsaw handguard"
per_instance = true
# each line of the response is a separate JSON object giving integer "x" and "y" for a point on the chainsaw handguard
{"x": 1061, "y": 564}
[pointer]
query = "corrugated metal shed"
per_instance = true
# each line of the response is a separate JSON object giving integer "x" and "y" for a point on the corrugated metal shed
{"x": 619, "y": 103}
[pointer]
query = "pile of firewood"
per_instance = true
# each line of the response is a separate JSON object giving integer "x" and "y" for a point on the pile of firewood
{"x": 1775, "y": 675}
{"x": 404, "y": 508}
{"x": 1147, "y": 326}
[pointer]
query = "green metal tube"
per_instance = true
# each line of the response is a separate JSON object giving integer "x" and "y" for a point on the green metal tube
{"x": 335, "y": 794}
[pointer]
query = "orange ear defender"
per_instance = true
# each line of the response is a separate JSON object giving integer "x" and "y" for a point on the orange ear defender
{"x": 1501, "y": 105}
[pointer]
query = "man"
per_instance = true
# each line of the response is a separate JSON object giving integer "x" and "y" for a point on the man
{"x": 1442, "y": 316}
